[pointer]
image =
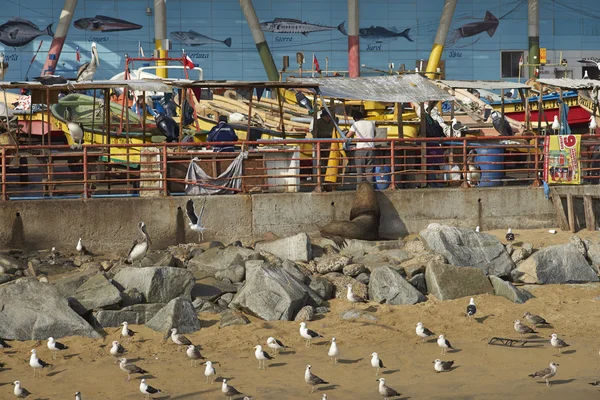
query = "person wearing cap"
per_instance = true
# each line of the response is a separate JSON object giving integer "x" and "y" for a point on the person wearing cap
{"x": 222, "y": 132}
{"x": 323, "y": 129}
{"x": 363, "y": 129}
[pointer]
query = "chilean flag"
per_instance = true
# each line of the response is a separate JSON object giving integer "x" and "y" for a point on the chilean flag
{"x": 77, "y": 54}
{"x": 187, "y": 62}
{"x": 316, "y": 63}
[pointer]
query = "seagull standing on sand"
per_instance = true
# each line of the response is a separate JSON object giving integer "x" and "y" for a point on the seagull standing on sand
{"x": 386, "y": 391}
{"x": 20, "y": 392}
{"x": 147, "y": 389}
{"x": 209, "y": 371}
{"x": 312, "y": 379}
{"x": 261, "y": 356}
{"x": 193, "y": 354}
{"x": 179, "y": 339}
{"x": 36, "y": 363}
{"x": 353, "y": 297}
{"x": 55, "y": 347}
{"x": 276, "y": 345}
{"x": 195, "y": 218}
{"x": 116, "y": 350}
{"x": 78, "y": 396}
{"x": 423, "y": 332}
{"x": 535, "y": 319}
{"x": 376, "y": 362}
{"x": 557, "y": 343}
{"x": 471, "y": 309}
{"x": 510, "y": 236}
{"x": 308, "y": 334}
{"x": 228, "y": 390}
{"x": 444, "y": 344}
{"x": 555, "y": 125}
{"x": 546, "y": 373}
{"x": 130, "y": 368}
{"x": 593, "y": 124}
{"x": 523, "y": 329}
{"x": 333, "y": 352}
{"x": 126, "y": 332}
{"x": 140, "y": 247}
{"x": 443, "y": 366}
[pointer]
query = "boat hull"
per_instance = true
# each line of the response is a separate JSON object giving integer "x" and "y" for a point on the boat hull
{"x": 550, "y": 105}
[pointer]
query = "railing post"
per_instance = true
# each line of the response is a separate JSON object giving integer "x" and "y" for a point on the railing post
{"x": 464, "y": 168}
{"x": 319, "y": 167}
{"x": 393, "y": 163}
{"x": 536, "y": 171}
{"x": 164, "y": 166}
{"x": 85, "y": 173}
{"x": 4, "y": 174}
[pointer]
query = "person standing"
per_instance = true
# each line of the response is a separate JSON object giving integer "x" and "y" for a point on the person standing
{"x": 222, "y": 132}
{"x": 363, "y": 155}
{"x": 323, "y": 129}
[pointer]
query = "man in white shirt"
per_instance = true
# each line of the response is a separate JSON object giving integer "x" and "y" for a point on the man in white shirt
{"x": 363, "y": 155}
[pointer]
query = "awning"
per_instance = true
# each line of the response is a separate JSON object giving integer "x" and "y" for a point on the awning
{"x": 488, "y": 85}
{"x": 567, "y": 83}
{"x": 139, "y": 85}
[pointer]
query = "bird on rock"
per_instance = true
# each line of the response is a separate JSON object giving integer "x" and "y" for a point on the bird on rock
{"x": 510, "y": 236}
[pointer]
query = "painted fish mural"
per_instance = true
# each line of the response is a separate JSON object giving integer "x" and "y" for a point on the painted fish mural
{"x": 290, "y": 25}
{"x": 379, "y": 33}
{"x": 192, "y": 38}
{"x": 489, "y": 24}
{"x": 103, "y": 23}
{"x": 19, "y": 32}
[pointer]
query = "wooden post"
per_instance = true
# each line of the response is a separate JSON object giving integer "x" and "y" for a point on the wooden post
{"x": 400, "y": 111}
{"x": 4, "y": 197}
{"x": 559, "y": 210}
{"x": 422, "y": 133}
{"x": 250, "y": 112}
{"x": 525, "y": 101}
{"x": 571, "y": 213}
{"x": 590, "y": 217}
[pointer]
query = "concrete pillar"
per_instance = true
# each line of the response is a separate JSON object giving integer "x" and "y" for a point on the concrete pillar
{"x": 440, "y": 38}
{"x": 259, "y": 39}
{"x": 160, "y": 34}
{"x": 353, "y": 39}
{"x": 533, "y": 31}
{"x": 59, "y": 37}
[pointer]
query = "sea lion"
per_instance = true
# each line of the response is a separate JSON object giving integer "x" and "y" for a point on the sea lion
{"x": 364, "y": 218}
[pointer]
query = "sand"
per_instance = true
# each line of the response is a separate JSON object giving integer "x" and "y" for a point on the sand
{"x": 481, "y": 371}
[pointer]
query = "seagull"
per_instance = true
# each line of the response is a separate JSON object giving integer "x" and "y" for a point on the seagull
{"x": 194, "y": 218}
{"x": 595, "y": 383}
{"x": 555, "y": 125}
{"x": 116, "y": 350}
{"x": 376, "y": 363}
{"x": 333, "y": 352}
{"x": 386, "y": 391}
{"x": 457, "y": 127}
{"x": 36, "y": 363}
{"x": 53, "y": 256}
{"x": 76, "y": 129}
{"x": 126, "y": 332}
{"x": 546, "y": 373}
{"x": 593, "y": 124}
{"x": 510, "y": 236}
{"x": 423, "y": 332}
{"x": 147, "y": 389}
{"x": 443, "y": 366}
{"x": 353, "y": 297}
{"x": 20, "y": 392}
{"x": 324, "y": 396}
{"x": 276, "y": 345}
{"x": 501, "y": 125}
{"x": 474, "y": 174}
{"x": 193, "y": 354}
{"x": 261, "y": 356}
{"x": 444, "y": 344}
{"x": 179, "y": 339}
{"x": 557, "y": 343}
{"x": 81, "y": 248}
{"x": 130, "y": 368}
{"x": 585, "y": 75}
{"x": 477, "y": 229}
{"x": 209, "y": 371}
{"x": 523, "y": 329}
{"x": 4, "y": 345}
{"x": 535, "y": 319}
{"x": 228, "y": 390}
{"x": 471, "y": 309}
{"x": 87, "y": 70}
{"x": 312, "y": 379}
{"x": 589, "y": 61}
{"x": 308, "y": 334}
{"x": 55, "y": 347}
{"x": 78, "y": 396}
{"x": 140, "y": 247}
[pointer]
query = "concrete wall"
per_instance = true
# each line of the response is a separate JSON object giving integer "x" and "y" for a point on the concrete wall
{"x": 111, "y": 224}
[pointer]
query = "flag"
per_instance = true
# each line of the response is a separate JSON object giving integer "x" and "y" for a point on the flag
{"x": 521, "y": 60}
{"x": 77, "y": 54}
{"x": 187, "y": 62}
{"x": 140, "y": 49}
{"x": 316, "y": 64}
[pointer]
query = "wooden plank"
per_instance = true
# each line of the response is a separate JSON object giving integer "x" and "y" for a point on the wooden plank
{"x": 590, "y": 217}
{"x": 571, "y": 212}
{"x": 560, "y": 212}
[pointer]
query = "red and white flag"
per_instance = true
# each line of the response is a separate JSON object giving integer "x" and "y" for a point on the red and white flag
{"x": 316, "y": 64}
{"x": 77, "y": 54}
{"x": 187, "y": 62}
{"x": 521, "y": 61}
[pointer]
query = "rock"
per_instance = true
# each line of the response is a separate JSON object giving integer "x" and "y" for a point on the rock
{"x": 137, "y": 314}
{"x": 508, "y": 290}
{"x": 217, "y": 258}
{"x": 43, "y": 279}
{"x": 267, "y": 257}
{"x": 67, "y": 285}
{"x": 160, "y": 258}
{"x": 209, "y": 289}
{"x": 106, "y": 265}
{"x": 415, "y": 246}
{"x": 447, "y": 282}
{"x": 594, "y": 255}
{"x": 198, "y": 303}
{"x": 11, "y": 264}
{"x": 397, "y": 256}
{"x": 7, "y": 278}
{"x": 272, "y": 294}
{"x": 579, "y": 245}
{"x": 335, "y": 263}
{"x": 32, "y": 310}
{"x": 211, "y": 308}
{"x": 354, "y": 269}
{"x": 464, "y": 247}
{"x": 157, "y": 284}
{"x": 305, "y": 314}
{"x": 293, "y": 248}
{"x": 131, "y": 297}
{"x": 97, "y": 292}
{"x": 358, "y": 248}
{"x": 322, "y": 286}
{"x": 329, "y": 250}
{"x": 364, "y": 278}
{"x": 509, "y": 249}
{"x": 297, "y": 271}
{"x": 372, "y": 261}
{"x": 413, "y": 269}
{"x": 234, "y": 274}
{"x": 78, "y": 261}
{"x": 178, "y": 313}
{"x": 223, "y": 304}
{"x": 231, "y": 317}
{"x": 387, "y": 285}
{"x": 321, "y": 310}
{"x": 341, "y": 281}
{"x": 227, "y": 297}
{"x": 418, "y": 281}
{"x": 519, "y": 255}
{"x": 357, "y": 314}
{"x": 557, "y": 264}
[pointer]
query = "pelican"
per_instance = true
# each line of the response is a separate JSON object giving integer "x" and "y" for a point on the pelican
{"x": 87, "y": 70}
{"x": 140, "y": 247}
{"x": 593, "y": 124}
{"x": 3, "y": 66}
{"x": 75, "y": 129}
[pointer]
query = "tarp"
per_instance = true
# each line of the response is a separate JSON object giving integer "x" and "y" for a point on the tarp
{"x": 198, "y": 182}
{"x": 562, "y": 159}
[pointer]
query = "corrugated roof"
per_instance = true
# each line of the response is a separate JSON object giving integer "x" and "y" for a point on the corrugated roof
{"x": 401, "y": 89}
{"x": 140, "y": 85}
{"x": 489, "y": 85}
{"x": 566, "y": 83}
{"x": 242, "y": 84}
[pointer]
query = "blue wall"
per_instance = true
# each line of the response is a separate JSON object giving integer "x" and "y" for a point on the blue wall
{"x": 570, "y": 26}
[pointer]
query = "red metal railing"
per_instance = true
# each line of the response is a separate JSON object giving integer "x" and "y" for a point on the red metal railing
{"x": 58, "y": 171}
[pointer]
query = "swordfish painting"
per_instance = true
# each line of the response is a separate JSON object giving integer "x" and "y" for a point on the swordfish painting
{"x": 19, "y": 32}
{"x": 290, "y": 25}
{"x": 489, "y": 25}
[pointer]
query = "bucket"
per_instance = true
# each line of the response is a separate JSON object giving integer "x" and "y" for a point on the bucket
{"x": 489, "y": 173}
{"x": 382, "y": 177}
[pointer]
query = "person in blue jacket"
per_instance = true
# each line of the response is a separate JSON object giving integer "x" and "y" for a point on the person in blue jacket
{"x": 222, "y": 132}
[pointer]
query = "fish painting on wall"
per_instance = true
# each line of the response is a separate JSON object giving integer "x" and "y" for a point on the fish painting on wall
{"x": 19, "y": 32}
{"x": 489, "y": 24}
{"x": 379, "y": 33}
{"x": 103, "y": 23}
{"x": 192, "y": 38}
{"x": 290, "y": 25}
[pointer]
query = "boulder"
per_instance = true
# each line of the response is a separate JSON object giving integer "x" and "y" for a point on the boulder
{"x": 67, "y": 285}
{"x": 7, "y": 278}
{"x": 387, "y": 285}
{"x": 419, "y": 282}
{"x": 557, "y": 264}
{"x": 522, "y": 253}
{"x": 508, "y": 290}
{"x": 210, "y": 288}
{"x": 272, "y": 294}
{"x": 413, "y": 269}
{"x": 415, "y": 246}
{"x": 32, "y": 310}
{"x": 97, "y": 292}
{"x": 466, "y": 248}
{"x": 321, "y": 310}
{"x": 297, "y": 271}
{"x": 341, "y": 281}
{"x": 354, "y": 269}
{"x": 178, "y": 313}
{"x": 11, "y": 264}
{"x": 373, "y": 261}
{"x": 397, "y": 256}
{"x": 335, "y": 263}
{"x": 233, "y": 274}
{"x": 157, "y": 284}
{"x": 357, "y": 314}
{"x": 358, "y": 248}
{"x": 211, "y": 308}
{"x": 579, "y": 244}
{"x": 293, "y": 248}
{"x": 594, "y": 255}
{"x": 137, "y": 314}
{"x": 160, "y": 258}
{"x": 214, "y": 259}
{"x": 131, "y": 297}
{"x": 363, "y": 278}
{"x": 322, "y": 286}
{"x": 305, "y": 314}
{"x": 232, "y": 317}
{"x": 447, "y": 282}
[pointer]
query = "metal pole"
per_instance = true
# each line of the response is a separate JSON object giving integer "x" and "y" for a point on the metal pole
{"x": 85, "y": 172}
{"x": 533, "y": 31}
{"x": 249, "y": 114}
{"x": 59, "y": 37}
{"x": 160, "y": 35}
{"x": 440, "y": 38}
{"x": 3, "y": 173}
{"x": 259, "y": 39}
{"x": 353, "y": 39}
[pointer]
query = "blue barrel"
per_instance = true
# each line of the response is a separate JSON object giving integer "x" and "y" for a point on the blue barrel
{"x": 383, "y": 177}
{"x": 489, "y": 172}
